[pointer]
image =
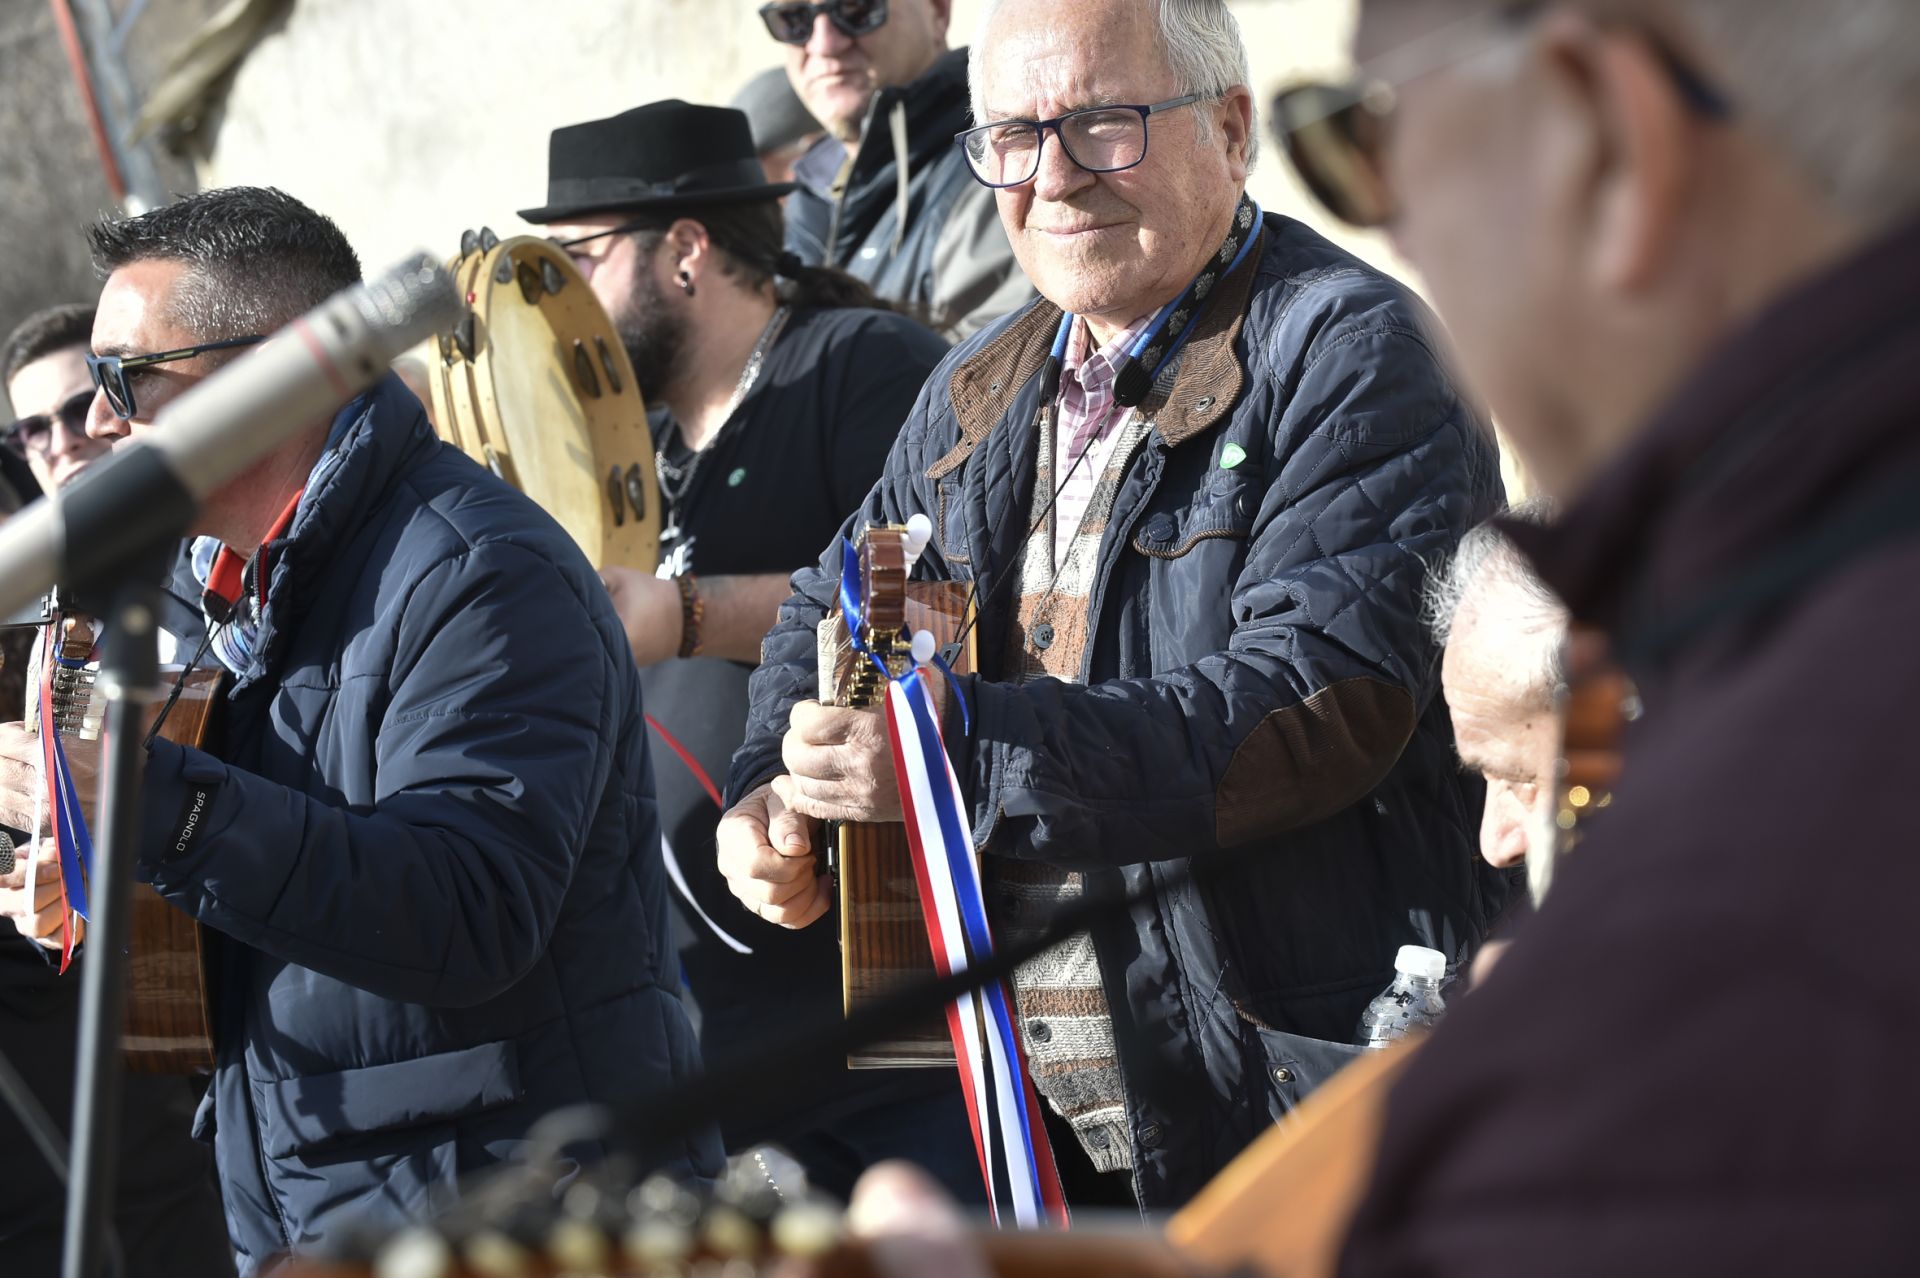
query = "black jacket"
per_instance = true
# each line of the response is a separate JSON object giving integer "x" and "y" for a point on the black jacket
{"x": 429, "y": 848}
{"x": 1260, "y": 703}
{"x": 933, "y": 246}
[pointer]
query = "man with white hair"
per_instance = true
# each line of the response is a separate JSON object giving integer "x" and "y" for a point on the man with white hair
{"x": 1500, "y": 631}
{"x": 1195, "y": 487}
{"x": 1677, "y": 242}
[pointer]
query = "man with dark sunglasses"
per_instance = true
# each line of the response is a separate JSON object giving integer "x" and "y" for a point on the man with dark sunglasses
{"x": 884, "y": 196}
{"x": 426, "y": 847}
{"x": 1195, "y": 489}
{"x": 50, "y": 389}
{"x": 1678, "y": 243}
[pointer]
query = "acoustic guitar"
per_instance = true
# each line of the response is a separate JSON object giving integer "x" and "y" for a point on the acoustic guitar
{"x": 883, "y": 934}
{"x": 169, "y": 1022}
{"x": 1595, "y": 701}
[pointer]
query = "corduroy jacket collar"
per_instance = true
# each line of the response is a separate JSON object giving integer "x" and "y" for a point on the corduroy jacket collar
{"x": 1208, "y": 380}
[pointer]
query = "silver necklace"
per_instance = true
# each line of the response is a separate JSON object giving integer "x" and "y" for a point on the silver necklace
{"x": 677, "y": 481}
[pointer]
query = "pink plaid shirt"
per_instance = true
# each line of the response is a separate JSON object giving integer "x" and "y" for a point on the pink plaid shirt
{"x": 1085, "y": 423}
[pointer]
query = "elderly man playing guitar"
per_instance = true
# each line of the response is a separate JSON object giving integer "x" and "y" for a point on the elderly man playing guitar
{"x": 1193, "y": 489}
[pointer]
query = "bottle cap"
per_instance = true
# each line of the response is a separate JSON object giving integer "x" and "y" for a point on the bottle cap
{"x": 1418, "y": 960}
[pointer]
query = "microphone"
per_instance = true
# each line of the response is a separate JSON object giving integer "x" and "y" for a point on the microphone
{"x": 146, "y": 492}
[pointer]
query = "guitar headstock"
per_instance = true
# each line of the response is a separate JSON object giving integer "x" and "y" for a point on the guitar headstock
{"x": 513, "y": 1225}
{"x": 1595, "y": 703}
{"x": 885, "y": 554}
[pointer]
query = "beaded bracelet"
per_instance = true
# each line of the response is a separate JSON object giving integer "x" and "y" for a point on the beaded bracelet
{"x": 693, "y": 610}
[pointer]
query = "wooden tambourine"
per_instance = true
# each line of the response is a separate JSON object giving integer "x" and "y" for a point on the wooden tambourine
{"x": 534, "y": 384}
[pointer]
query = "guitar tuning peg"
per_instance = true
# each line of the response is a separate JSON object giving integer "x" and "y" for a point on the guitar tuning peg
{"x": 924, "y": 646}
{"x": 415, "y": 1252}
{"x": 919, "y": 533}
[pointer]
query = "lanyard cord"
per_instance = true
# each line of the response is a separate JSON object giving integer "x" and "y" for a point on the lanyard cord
{"x": 1136, "y": 376}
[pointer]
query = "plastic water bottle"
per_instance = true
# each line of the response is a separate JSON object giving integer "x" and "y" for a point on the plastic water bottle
{"x": 1412, "y": 1002}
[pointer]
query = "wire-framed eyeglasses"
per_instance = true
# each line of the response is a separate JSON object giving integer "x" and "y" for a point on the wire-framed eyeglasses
{"x": 1104, "y": 139}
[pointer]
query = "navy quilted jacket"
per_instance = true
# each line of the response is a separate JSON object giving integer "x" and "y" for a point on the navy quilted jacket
{"x": 428, "y": 845}
{"x": 1260, "y": 703}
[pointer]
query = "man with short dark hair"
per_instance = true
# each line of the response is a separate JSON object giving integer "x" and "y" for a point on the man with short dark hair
{"x": 427, "y": 850}
{"x": 43, "y": 365}
{"x": 885, "y": 195}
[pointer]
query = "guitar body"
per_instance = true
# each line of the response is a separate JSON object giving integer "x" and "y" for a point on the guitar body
{"x": 169, "y": 1024}
{"x": 883, "y": 933}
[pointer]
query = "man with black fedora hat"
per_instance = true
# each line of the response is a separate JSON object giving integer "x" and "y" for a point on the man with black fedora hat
{"x": 775, "y": 391}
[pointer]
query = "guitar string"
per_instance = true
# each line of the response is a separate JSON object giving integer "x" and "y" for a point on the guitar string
{"x": 180, "y": 684}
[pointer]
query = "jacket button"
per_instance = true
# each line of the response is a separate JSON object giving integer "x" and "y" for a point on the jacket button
{"x": 1160, "y": 529}
{"x": 1203, "y": 403}
{"x": 1043, "y": 636}
{"x": 1283, "y": 1075}
{"x": 1098, "y": 1138}
{"x": 1039, "y": 1031}
{"x": 1151, "y": 1135}
{"x": 994, "y": 389}
{"x": 1243, "y": 505}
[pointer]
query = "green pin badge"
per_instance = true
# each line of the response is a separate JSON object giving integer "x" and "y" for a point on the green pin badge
{"x": 1232, "y": 455}
{"x": 734, "y": 480}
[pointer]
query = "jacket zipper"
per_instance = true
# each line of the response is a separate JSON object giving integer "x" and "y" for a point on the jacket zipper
{"x": 260, "y": 1154}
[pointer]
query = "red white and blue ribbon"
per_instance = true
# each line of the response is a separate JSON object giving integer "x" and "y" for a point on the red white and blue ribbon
{"x": 66, "y": 821}
{"x": 1016, "y": 1163}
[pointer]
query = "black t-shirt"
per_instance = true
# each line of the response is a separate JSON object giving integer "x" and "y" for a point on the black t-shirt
{"x": 768, "y": 495}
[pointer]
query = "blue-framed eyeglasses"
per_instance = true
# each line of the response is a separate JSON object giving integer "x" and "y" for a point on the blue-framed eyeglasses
{"x": 109, "y": 372}
{"x": 1104, "y": 139}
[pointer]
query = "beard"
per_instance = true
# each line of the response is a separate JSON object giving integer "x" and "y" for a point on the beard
{"x": 654, "y": 334}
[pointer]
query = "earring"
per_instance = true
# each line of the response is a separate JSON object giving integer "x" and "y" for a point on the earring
{"x": 686, "y": 283}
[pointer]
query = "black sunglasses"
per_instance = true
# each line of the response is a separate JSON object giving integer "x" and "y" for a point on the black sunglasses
{"x": 792, "y": 23}
{"x": 109, "y": 372}
{"x": 1335, "y": 134}
{"x": 35, "y": 433}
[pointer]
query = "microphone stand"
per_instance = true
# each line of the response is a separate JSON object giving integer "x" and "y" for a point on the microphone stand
{"x": 129, "y": 678}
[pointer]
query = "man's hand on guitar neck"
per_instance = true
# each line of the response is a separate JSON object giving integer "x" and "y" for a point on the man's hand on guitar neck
{"x": 39, "y": 919}
{"x": 840, "y": 763}
{"x": 839, "y": 768}
{"x": 20, "y": 754}
{"x": 767, "y": 853}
